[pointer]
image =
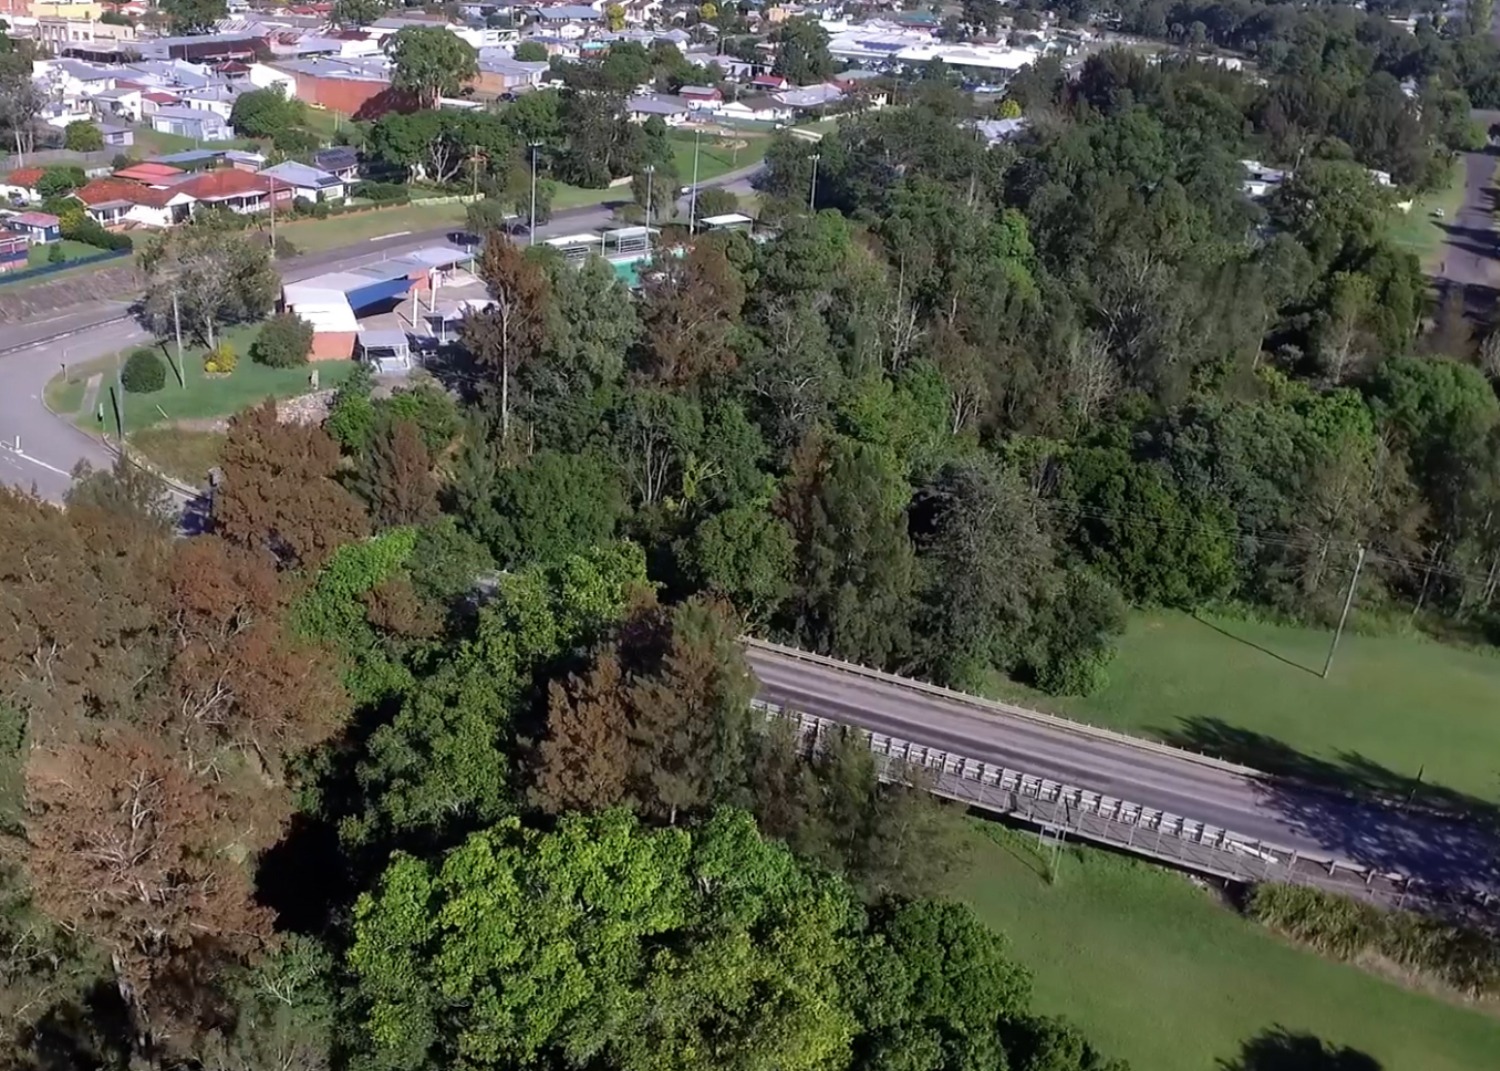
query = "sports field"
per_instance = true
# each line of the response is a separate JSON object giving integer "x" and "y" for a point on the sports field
{"x": 1393, "y": 707}
{"x": 1159, "y": 972}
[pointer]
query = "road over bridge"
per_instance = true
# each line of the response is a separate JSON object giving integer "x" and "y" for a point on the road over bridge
{"x": 1198, "y": 812}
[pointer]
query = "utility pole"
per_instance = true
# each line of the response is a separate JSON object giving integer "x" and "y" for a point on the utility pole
{"x": 177, "y": 327}
{"x": 693, "y": 198}
{"x": 531, "y": 223}
{"x": 1359, "y": 563}
{"x": 812, "y": 193}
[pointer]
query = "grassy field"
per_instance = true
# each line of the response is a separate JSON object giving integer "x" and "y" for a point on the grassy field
{"x": 187, "y": 455}
{"x": 1420, "y": 231}
{"x": 716, "y": 155}
{"x": 1160, "y": 973}
{"x": 310, "y": 235}
{"x": 40, "y": 255}
{"x": 1250, "y": 692}
{"x": 204, "y": 397}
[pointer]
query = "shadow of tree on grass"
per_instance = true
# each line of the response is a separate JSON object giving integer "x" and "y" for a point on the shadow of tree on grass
{"x": 1280, "y": 1049}
{"x": 1357, "y": 809}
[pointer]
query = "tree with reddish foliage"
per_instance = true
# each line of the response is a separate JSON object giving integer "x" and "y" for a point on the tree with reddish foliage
{"x": 511, "y": 332}
{"x": 691, "y": 309}
{"x": 396, "y": 478}
{"x": 79, "y": 597}
{"x": 585, "y": 759}
{"x": 135, "y": 852}
{"x": 238, "y": 680}
{"x": 279, "y": 496}
{"x": 690, "y": 714}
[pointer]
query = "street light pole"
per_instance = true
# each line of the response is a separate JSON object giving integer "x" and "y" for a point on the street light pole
{"x": 693, "y": 198}
{"x": 531, "y": 224}
{"x": 812, "y": 193}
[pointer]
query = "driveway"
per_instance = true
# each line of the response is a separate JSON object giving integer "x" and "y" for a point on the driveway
{"x": 1471, "y": 250}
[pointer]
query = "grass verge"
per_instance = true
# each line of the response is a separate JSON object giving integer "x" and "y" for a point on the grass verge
{"x": 1420, "y": 230}
{"x": 1392, "y": 708}
{"x": 185, "y": 455}
{"x": 204, "y": 397}
{"x": 1160, "y": 973}
{"x": 313, "y": 235}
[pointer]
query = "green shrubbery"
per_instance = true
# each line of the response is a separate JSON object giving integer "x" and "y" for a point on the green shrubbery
{"x": 284, "y": 341}
{"x": 1462, "y": 957}
{"x": 144, "y": 372}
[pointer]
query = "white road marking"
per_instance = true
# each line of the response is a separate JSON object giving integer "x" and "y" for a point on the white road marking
{"x": 393, "y": 234}
{"x": 13, "y": 452}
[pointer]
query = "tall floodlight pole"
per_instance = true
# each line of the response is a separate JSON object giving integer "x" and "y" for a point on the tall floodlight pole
{"x": 531, "y": 227}
{"x": 693, "y": 197}
{"x": 812, "y": 193}
{"x": 650, "y": 182}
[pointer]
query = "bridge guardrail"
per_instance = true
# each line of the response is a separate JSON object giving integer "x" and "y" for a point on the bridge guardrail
{"x": 1052, "y": 721}
{"x": 1116, "y": 823}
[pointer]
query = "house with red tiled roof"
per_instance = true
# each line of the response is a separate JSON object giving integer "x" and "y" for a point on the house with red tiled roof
{"x": 116, "y": 202}
{"x": 238, "y": 191}
{"x": 150, "y": 102}
{"x": 20, "y": 184}
{"x": 151, "y": 174}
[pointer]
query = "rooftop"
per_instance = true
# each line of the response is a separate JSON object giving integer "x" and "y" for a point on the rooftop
{"x": 34, "y": 219}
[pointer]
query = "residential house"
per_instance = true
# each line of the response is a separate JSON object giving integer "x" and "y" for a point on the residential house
{"x": 196, "y": 123}
{"x": 116, "y": 136}
{"x": 673, "y": 111}
{"x": 238, "y": 191}
{"x": 155, "y": 99}
{"x": 773, "y": 82}
{"x": 500, "y": 72}
{"x": 1260, "y": 181}
{"x": 115, "y": 203}
{"x": 755, "y": 109}
{"x": 553, "y": 14}
{"x": 122, "y": 102}
{"x": 20, "y": 184}
{"x": 15, "y": 253}
{"x": 307, "y": 182}
{"x": 71, "y": 79}
{"x": 701, "y": 96}
{"x": 341, "y": 160}
{"x": 150, "y": 173}
{"x": 218, "y": 99}
{"x": 38, "y": 228}
{"x": 816, "y": 98}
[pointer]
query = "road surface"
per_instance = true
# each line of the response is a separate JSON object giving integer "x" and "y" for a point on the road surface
{"x": 1471, "y": 248}
{"x": 32, "y": 353}
{"x": 1462, "y": 856}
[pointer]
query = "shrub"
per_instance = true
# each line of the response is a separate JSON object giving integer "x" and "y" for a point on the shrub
{"x": 282, "y": 248}
{"x": 220, "y": 360}
{"x": 320, "y": 210}
{"x": 302, "y": 205}
{"x": 82, "y": 136}
{"x": 284, "y": 341}
{"x": 144, "y": 372}
{"x": 55, "y": 254}
{"x": 382, "y": 192}
{"x": 1463, "y": 957}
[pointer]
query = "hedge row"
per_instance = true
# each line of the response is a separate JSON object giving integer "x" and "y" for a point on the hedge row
{"x": 1462, "y": 957}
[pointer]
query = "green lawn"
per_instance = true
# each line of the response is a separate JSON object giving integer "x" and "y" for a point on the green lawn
{"x": 309, "y": 235}
{"x": 40, "y": 255}
{"x": 204, "y": 397}
{"x": 716, "y": 155}
{"x": 1158, "y": 972}
{"x": 186, "y": 455}
{"x": 1249, "y": 692}
{"x": 1420, "y": 231}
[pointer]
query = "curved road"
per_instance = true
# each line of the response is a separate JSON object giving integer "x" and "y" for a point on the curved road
{"x": 32, "y": 353}
{"x": 1461, "y": 856}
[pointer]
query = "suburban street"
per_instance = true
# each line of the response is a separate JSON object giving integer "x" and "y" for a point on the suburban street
{"x": 1470, "y": 249}
{"x": 39, "y": 450}
{"x": 1451, "y": 854}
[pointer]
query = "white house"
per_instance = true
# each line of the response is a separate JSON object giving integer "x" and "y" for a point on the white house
{"x": 673, "y": 111}
{"x": 307, "y": 182}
